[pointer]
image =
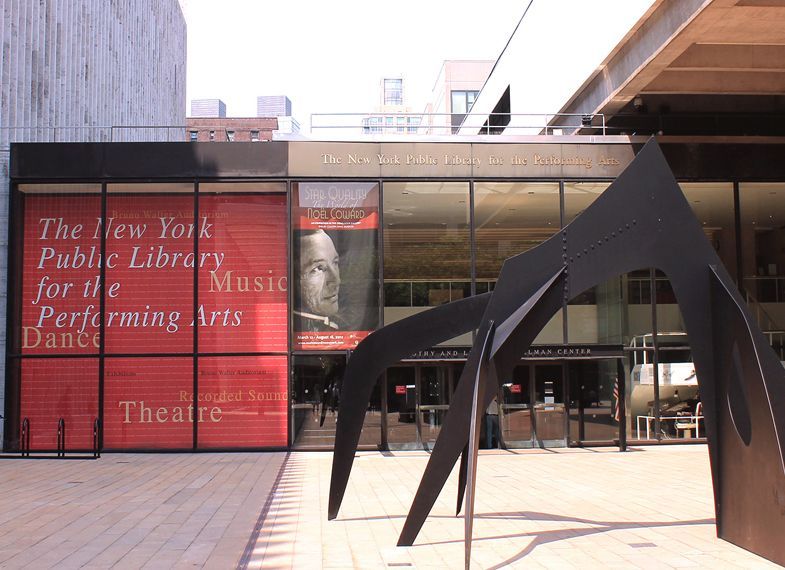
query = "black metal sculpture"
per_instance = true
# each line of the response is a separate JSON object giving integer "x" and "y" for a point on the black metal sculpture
{"x": 642, "y": 220}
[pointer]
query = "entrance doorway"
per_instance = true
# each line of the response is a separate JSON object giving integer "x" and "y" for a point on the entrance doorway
{"x": 532, "y": 410}
{"x": 417, "y": 399}
{"x": 317, "y": 381}
{"x": 546, "y": 403}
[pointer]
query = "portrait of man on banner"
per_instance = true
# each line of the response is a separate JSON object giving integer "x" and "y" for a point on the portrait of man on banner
{"x": 316, "y": 305}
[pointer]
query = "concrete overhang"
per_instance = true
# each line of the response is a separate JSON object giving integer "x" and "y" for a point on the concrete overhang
{"x": 682, "y": 53}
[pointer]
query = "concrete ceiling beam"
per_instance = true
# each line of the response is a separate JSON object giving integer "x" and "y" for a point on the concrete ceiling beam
{"x": 724, "y": 82}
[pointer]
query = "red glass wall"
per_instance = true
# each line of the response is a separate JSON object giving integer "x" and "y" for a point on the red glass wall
{"x": 243, "y": 401}
{"x": 242, "y": 283}
{"x": 61, "y": 292}
{"x": 60, "y": 388}
{"x": 195, "y": 321}
{"x": 148, "y": 403}
{"x": 149, "y": 273}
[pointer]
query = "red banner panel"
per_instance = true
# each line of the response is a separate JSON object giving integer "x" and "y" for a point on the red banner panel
{"x": 60, "y": 388}
{"x": 243, "y": 293}
{"x": 61, "y": 292}
{"x": 150, "y": 272}
{"x": 147, "y": 403}
{"x": 335, "y": 265}
{"x": 247, "y": 400}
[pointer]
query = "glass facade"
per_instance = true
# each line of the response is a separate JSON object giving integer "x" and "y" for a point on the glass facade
{"x": 762, "y": 237}
{"x": 427, "y": 252}
{"x": 175, "y": 303}
{"x": 164, "y": 310}
{"x": 511, "y": 218}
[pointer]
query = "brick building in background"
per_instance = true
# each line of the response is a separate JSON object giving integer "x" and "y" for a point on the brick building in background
{"x": 230, "y": 129}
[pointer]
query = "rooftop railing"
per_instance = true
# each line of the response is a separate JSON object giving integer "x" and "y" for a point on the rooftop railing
{"x": 96, "y": 133}
{"x": 443, "y": 124}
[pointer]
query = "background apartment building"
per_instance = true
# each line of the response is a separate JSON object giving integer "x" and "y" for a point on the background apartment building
{"x": 454, "y": 92}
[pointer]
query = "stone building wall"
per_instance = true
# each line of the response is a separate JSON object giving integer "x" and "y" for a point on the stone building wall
{"x": 76, "y": 70}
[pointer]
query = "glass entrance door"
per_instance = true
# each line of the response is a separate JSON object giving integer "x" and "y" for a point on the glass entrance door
{"x": 401, "y": 416}
{"x": 533, "y": 410}
{"x": 315, "y": 399}
{"x": 515, "y": 410}
{"x": 436, "y": 386}
{"x": 595, "y": 414}
{"x": 550, "y": 418}
{"x": 418, "y": 397}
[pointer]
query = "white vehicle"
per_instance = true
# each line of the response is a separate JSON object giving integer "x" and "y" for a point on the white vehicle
{"x": 680, "y": 413}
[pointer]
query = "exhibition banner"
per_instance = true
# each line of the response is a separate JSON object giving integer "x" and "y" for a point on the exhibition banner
{"x": 335, "y": 264}
{"x": 150, "y": 257}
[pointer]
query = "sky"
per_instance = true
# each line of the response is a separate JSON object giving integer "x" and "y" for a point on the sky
{"x": 329, "y": 56}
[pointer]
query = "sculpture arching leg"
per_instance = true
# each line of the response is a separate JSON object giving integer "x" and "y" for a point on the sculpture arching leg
{"x": 378, "y": 351}
{"x": 750, "y": 381}
{"x": 531, "y": 316}
{"x": 485, "y": 336}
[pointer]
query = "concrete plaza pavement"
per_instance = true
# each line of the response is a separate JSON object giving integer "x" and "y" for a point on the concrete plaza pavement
{"x": 572, "y": 508}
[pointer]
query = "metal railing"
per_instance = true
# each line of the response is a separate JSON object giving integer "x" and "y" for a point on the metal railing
{"x": 25, "y": 432}
{"x": 359, "y": 125}
{"x": 61, "y": 438}
{"x": 99, "y": 133}
{"x": 97, "y": 438}
{"x": 24, "y": 438}
{"x": 772, "y": 330}
{"x": 443, "y": 124}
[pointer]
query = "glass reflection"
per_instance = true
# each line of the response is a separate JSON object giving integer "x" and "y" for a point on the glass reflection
{"x": 763, "y": 257}
{"x": 511, "y": 218}
{"x": 594, "y": 411}
{"x": 401, "y": 408}
{"x": 427, "y": 257}
{"x": 315, "y": 398}
{"x": 598, "y": 314}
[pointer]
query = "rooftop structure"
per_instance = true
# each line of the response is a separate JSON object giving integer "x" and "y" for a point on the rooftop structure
{"x": 208, "y": 108}
{"x": 273, "y": 106}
